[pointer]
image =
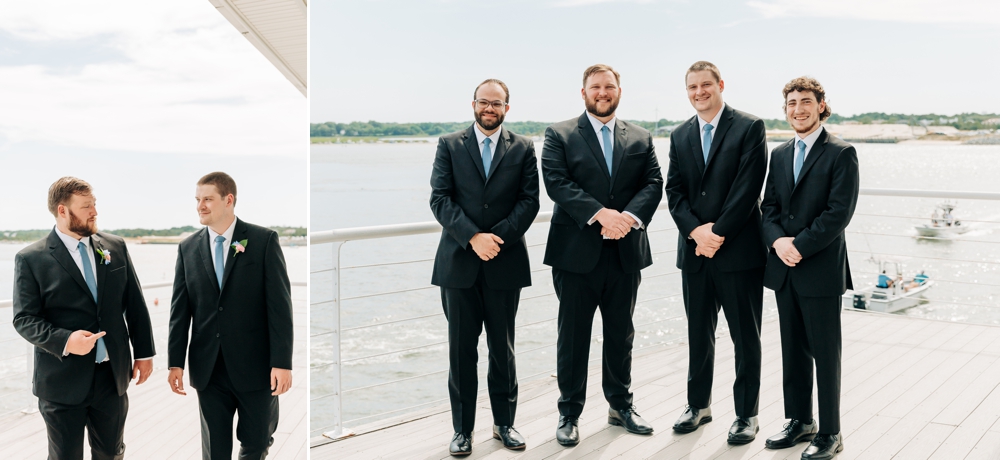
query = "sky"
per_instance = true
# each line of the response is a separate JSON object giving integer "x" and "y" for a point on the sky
{"x": 408, "y": 61}
{"x": 141, "y": 99}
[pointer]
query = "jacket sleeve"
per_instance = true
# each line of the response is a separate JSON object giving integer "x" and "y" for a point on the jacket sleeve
{"x": 643, "y": 204}
{"x": 277, "y": 294}
{"x": 677, "y": 195}
{"x": 140, "y": 328}
{"x": 180, "y": 316}
{"x": 770, "y": 209}
{"x": 447, "y": 213}
{"x": 520, "y": 218}
{"x": 561, "y": 188}
{"x": 832, "y": 222}
{"x": 29, "y": 321}
{"x": 746, "y": 188}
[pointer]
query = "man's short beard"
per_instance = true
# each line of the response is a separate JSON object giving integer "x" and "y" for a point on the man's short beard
{"x": 489, "y": 127}
{"x": 81, "y": 227}
{"x": 592, "y": 108}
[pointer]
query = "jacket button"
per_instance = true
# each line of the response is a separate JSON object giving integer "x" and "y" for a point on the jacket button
{"x": 791, "y": 217}
{"x": 486, "y": 205}
{"x": 612, "y": 197}
{"x": 702, "y": 193}
{"x": 98, "y": 318}
{"x": 217, "y": 334}
{"x": 220, "y": 308}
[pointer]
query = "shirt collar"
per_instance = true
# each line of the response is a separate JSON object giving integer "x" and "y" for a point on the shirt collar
{"x": 480, "y": 136}
{"x": 71, "y": 242}
{"x": 228, "y": 234}
{"x": 597, "y": 124}
{"x": 810, "y": 139}
{"x": 714, "y": 122}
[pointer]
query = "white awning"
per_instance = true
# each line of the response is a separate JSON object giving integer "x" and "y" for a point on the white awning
{"x": 277, "y": 28}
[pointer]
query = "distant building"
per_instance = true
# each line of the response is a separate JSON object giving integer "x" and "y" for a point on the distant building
{"x": 992, "y": 121}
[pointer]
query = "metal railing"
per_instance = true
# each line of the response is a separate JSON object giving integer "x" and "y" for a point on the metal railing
{"x": 331, "y": 277}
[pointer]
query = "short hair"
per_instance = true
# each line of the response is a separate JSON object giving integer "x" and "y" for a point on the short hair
{"x": 496, "y": 82}
{"x": 704, "y": 65}
{"x": 222, "y": 182}
{"x": 803, "y": 84}
{"x": 62, "y": 190}
{"x": 598, "y": 68}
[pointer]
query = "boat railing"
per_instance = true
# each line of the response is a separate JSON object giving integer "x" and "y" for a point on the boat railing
{"x": 326, "y": 288}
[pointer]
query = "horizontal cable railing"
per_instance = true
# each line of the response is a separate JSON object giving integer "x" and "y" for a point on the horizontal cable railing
{"x": 340, "y": 236}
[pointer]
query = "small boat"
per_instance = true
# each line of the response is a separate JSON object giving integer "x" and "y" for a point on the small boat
{"x": 943, "y": 224}
{"x": 889, "y": 294}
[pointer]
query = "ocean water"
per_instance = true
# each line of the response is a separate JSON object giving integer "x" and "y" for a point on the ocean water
{"x": 377, "y": 184}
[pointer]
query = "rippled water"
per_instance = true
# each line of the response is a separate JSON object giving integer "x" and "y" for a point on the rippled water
{"x": 376, "y": 184}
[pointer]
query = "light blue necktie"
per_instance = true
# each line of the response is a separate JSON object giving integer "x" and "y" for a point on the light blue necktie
{"x": 218, "y": 258}
{"x": 606, "y": 134}
{"x": 487, "y": 156}
{"x": 88, "y": 276}
{"x": 799, "y": 159}
{"x": 706, "y": 142}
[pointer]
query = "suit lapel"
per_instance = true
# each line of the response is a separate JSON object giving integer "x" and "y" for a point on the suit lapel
{"x": 589, "y": 136}
{"x": 61, "y": 254}
{"x": 788, "y": 166}
{"x": 725, "y": 121}
{"x": 618, "y": 151}
{"x": 499, "y": 152}
{"x": 205, "y": 254}
{"x": 102, "y": 271}
{"x": 814, "y": 153}
{"x": 472, "y": 145}
{"x": 695, "y": 141}
{"x": 239, "y": 234}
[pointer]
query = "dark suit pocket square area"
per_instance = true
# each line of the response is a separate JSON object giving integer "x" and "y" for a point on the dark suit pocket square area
{"x": 116, "y": 269}
{"x": 635, "y": 154}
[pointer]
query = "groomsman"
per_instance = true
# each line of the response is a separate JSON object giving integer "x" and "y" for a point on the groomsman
{"x": 231, "y": 291}
{"x": 78, "y": 301}
{"x": 809, "y": 198}
{"x": 603, "y": 176}
{"x": 718, "y": 160}
{"x": 484, "y": 192}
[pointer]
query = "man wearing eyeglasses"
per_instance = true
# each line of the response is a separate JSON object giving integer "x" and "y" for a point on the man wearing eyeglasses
{"x": 485, "y": 195}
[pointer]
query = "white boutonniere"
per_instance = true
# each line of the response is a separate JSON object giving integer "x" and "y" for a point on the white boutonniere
{"x": 104, "y": 255}
{"x": 239, "y": 246}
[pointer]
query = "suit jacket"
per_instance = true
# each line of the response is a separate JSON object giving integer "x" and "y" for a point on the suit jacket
{"x": 51, "y": 300}
{"x": 576, "y": 178}
{"x": 815, "y": 212}
{"x": 726, "y": 190}
{"x": 465, "y": 202}
{"x": 249, "y": 320}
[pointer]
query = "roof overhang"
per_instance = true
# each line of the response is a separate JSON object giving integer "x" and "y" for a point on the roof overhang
{"x": 277, "y": 28}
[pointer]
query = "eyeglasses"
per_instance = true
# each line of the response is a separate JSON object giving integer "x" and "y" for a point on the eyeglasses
{"x": 483, "y": 103}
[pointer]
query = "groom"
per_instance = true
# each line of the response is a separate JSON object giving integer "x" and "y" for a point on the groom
{"x": 77, "y": 300}
{"x": 231, "y": 291}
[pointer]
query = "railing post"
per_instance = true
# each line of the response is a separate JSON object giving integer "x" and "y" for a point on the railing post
{"x": 339, "y": 431}
{"x": 30, "y": 358}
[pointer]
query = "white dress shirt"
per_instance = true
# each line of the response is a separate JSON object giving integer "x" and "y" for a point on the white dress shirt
{"x": 715, "y": 127}
{"x": 480, "y": 137}
{"x": 228, "y": 235}
{"x": 600, "y": 140}
{"x": 72, "y": 245}
{"x": 810, "y": 140}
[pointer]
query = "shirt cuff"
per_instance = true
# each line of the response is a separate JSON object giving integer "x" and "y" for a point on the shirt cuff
{"x": 638, "y": 221}
{"x": 594, "y": 219}
{"x": 144, "y": 359}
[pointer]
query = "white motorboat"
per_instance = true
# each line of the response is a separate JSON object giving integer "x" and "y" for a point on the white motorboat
{"x": 943, "y": 223}
{"x": 890, "y": 293}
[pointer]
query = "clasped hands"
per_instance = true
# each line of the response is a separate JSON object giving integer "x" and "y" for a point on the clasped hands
{"x": 614, "y": 225}
{"x": 486, "y": 245}
{"x": 786, "y": 251}
{"x": 81, "y": 342}
{"x": 708, "y": 242}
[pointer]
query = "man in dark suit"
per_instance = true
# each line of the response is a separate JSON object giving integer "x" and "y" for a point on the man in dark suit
{"x": 602, "y": 174}
{"x": 484, "y": 192}
{"x": 809, "y": 198}
{"x": 231, "y": 291}
{"x": 77, "y": 300}
{"x": 718, "y": 160}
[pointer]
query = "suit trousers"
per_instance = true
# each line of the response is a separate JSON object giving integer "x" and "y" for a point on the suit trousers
{"x": 740, "y": 295}
{"x": 607, "y": 287}
{"x": 467, "y": 310}
{"x": 103, "y": 412}
{"x": 219, "y": 401}
{"x": 810, "y": 333}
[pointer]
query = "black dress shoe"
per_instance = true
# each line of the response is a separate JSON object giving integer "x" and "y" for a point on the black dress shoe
{"x": 510, "y": 438}
{"x": 629, "y": 419}
{"x": 795, "y": 431}
{"x": 692, "y": 418}
{"x": 461, "y": 444}
{"x": 567, "y": 432}
{"x": 744, "y": 430}
{"x": 824, "y": 447}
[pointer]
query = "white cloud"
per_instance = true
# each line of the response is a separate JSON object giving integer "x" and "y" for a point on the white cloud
{"x": 918, "y": 11}
{"x": 189, "y": 83}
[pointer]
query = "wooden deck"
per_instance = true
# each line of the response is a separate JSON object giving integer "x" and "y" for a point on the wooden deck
{"x": 911, "y": 389}
{"x": 163, "y": 425}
